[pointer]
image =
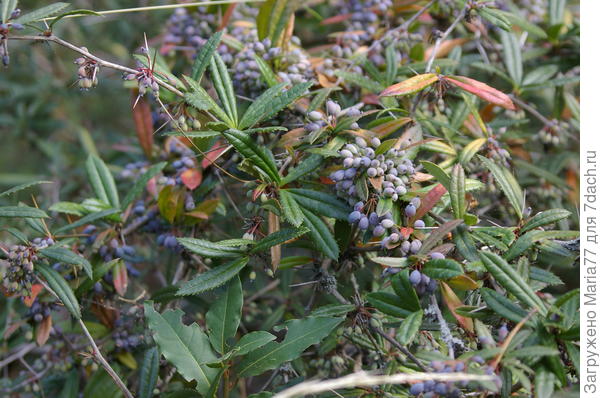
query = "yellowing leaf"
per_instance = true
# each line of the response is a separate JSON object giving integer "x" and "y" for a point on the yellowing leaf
{"x": 412, "y": 85}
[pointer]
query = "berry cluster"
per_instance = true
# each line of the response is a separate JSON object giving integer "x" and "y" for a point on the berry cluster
{"x": 39, "y": 310}
{"x": 145, "y": 80}
{"x": 422, "y": 283}
{"x": 87, "y": 74}
{"x": 18, "y": 276}
{"x": 4, "y": 29}
{"x": 190, "y": 29}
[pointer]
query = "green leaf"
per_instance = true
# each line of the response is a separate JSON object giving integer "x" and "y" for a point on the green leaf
{"x": 266, "y": 72}
{"x": 186, "y": 347}
{"x": 278, "y": 238}
{"x": 65, "y": 255}
{"x": 73, "y": 13}
{"x": 88, "y": 219}
{"x": 541, "y": 74}
{"x": 439, "y": 173}
{"x": 41, "y": 13}
{"x": 22, "y": 187}
{"x": 321, "y": 203}
{"x": 532, "y": 237}
{"x": 271, "y": 102}
{"x": 140, "y": 184}
{"x": 320, "y": 234}
{"x": 534, "y": 351}
{"x": 541, "y": 275}
{"x": 251, "y": 341}
{"x": 22, "y": 212}
{"x": 544, "y": 218}
{"x": 306, "y": 166}
{"x": 361, "y": 81}
{"x": 457, "y": 192}
{"x": 291, "y": 209}
{"x": 333, "y": 310}
{"x": 301, "y": 334}
{"x": 98, "y": 273}
{"x": 101, "y": 385}
{"x": 149, "y": 373}
{"x": 405, "y": 291}
{"x": 213, "y": 278}
{"x": 102, "y": 181}
{"x": 70, "y": 387}
{"x": 396, "y": 262}
{"x": 223, "y": 86}
{"x": 502, "y": 306}
{"x": 527, "y": 26}
{"x": 409, "y": 327}
{"x": 74, "y": 209}
{"x": 391, "y": 64}
{"x": 273, "y": 15}
{"x": 205, "y": 55}
{"x": 202, "y": 101}
{"x": 388, "y": 304}
{"x": 557, "y": 11}
{"x": 544, "y": 381}
{"x": 510, "y": 279}
{"x": 258, "y": 155}
{"x": 442, "y": 268}
{"x": 61, "y": 288}
{"x": 211, "y": 249}
{"x": 540, "y": 172}
{"x": 223, "y": 318}
{"x": 512, "y": 56}
{"x": 495, "y": 17}
{"x": 508, "y": 183}
{"x": 470, "y": 150}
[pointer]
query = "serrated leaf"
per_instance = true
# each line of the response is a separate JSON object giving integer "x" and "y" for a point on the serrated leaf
{"x": 223, "y": 318}
{"x": 510, "y": 280}
{"x": 214, "y": 278}
{"x": 102, "y": 181}
{"x": 88, "y": 219}
{"x": 41, "y": 13}
{"x": 541, "y": 275}
{"x": 211, "y": 249}
{"x": 457, "y": 192}
{"x": 442, "y": 268}
{"x": 258, "y": 155}
{"x": 508, "y": 183}
{"x": 321, "y": 203}
{"x": 271, "y": 102}
{"x": 22, "y": 187}
{"x": 361, "y": 81}
{"x": 222, "y": 84}
{"x": 534, "y": 351}
{"x": 301, "y": 334}
{"x": 202, "y": 101}
{"x": 186, "y": 347}
{"x": 266, "y": 72}
{"x": 411, "y": 85}
{"x": 291, "y": 209}
{"x": 496, "y": 17}
{"x": 149, "y": 373}
{"x": 205, "y": 55}
{"x": 512, "y": 56}
{"x": 502, "y": 306}
{"x": 306, "y": 166}
{"x": 21, "y": 212}
{"x": 482, "y": 90}
{"x": 140, "y": 184}
{"x": 62, "y": 289}
{"x": 540, "y": 172}
{"x": 409, "y": 328}
{"x": 320, "y": 234}
{"x": 65, "y": 255}
{"x": 540, "y": 75}
{"x": 74, "y": 209}
{"x": 278, "y": 238}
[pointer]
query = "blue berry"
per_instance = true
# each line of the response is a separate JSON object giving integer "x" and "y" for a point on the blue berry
{"x": 417, "y": 388}
{"x": 354, "y": 216}
{"x": 415, "y": 277}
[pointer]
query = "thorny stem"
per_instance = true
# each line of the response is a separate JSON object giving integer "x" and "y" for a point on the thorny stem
{"x": 89, "y": 55}
{"x": 95, "y": 350}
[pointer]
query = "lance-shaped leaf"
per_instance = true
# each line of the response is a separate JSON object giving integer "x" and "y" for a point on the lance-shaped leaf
{"x": 22, "y": 187}
{"x": 411, "y": 85}
{"x": 251, "y": 341}
{"x": 22, "y": 212}
{"x": 305, "y": 166}
{"x": 442, "y": 268}
{"x": 453, "y": 302}
{"x": 65, "y": 255}
{"x": 211, "y": 249}
{"x": 223, "y": 318}
{"x": 544, "y": 218}
{"x": 457, "y": 192}
{"x": 502, "y": 306}
{"x": 530, "y": 238}
{"x": 62, "y": 289}
{"x": 186, "y": 347}
{"x": 321, "y": 235}
{"x": 278, "y": 238}
{"x": 409, "y": 327}
{"x": 301, "y": 334}
{"x": 258, "y": 155}
{"x": 149, "y": 373}
{"x": 205, "y": 55}
{"x": 213, "y": 278}
{"x": 482, "y": 90}
{"x": 437, "y": 235}
{"x": 508, "y": 183}
{"x": 321, "y": 203}
{"x": 291, "y": 209}
{"x": 102, "y": 181}
{"x": 41, "y": 13}
{"x": 510, "y": 280}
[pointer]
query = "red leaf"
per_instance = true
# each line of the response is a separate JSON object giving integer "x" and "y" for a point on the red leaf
{"x": 429, "y": 201}
{"x": 120, "y": 279}
{"x": 412, "y": 85}
{"x": 453, "y": 302}
{"x": 42, "y": 331}
{"x": 142, "y": 117}
{"x": 191, "y": 178}
{"x": 35, "y": 290}
{"x": 482, "y": 90}
{"x": 336, "y": 19}
{"x": 213, "y": 154}
{"x": 406, "y": 232}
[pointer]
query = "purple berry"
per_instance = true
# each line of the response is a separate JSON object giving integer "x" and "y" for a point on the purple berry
{"x": 417, "y": 388}
{"x": 410, "y": 210}
{"x": 363, "y": 223}
{"x": 436, "y": 256}
{"x": 419, "y": 224}
{"x": 415, "y": 277}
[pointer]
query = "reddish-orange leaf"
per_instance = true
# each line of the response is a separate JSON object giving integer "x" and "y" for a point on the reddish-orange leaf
{"x": 213, "y": 154}
{"x": 227, "y": 16}
{"x": 429, "y": 201}
{"x": 191, "y": 178}
{"x": 142, "y": 118}
{"x": 412, "y": 85}
{"x": 120, "y": 279}
{"x": 42, "y": 331}
{"x": 35, "y": 290}
{"x": 406, "y": 232}
{"x": 463, "y": 282}
{"x": 387, "y": 128}
{"x": 482, "y": 90}
{"x": 453, "y": 302}
{"x": 336, "y": 19}
{"x": 445, "y": 48}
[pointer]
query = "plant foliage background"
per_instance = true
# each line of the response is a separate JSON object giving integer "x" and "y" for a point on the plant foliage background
{"x": 231, "y": 199}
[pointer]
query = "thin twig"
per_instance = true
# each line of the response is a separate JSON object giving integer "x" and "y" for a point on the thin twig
{"x": 87, "y": 54}
{"x": 444, "y": 35}
{"x": 366, "y": 379}
{"x": 17, "y": 355}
